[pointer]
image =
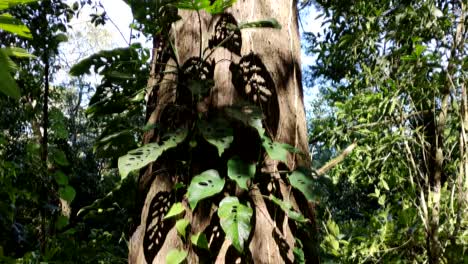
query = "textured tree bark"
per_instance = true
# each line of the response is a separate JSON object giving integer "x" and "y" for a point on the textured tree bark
{"x": 261, "y": 66}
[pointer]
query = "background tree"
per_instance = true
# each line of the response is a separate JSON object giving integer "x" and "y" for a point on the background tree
{"x": 393, "y": 76}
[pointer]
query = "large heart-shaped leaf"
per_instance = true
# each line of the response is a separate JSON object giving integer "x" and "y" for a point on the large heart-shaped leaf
{"x": 175, "y": 210}
{"x": 140, "y": 157}
{"x": 181, "y": 226}
{"x": 235, "y": 221}
{"x": 240, "y": 171}
{"x": 67, "y": 193}
{"x": 199, "y": 240}
{"x": 60, "y": 178}
{"x": 203, "y": 186}
{"x": 304, "y": 183}
{"x": 248, "y": 114}
{"x": 276, "y": 150}
{"x": 176, "y": 256}
{"x": 217, "y": 133}
{"x": 288, "y": 209}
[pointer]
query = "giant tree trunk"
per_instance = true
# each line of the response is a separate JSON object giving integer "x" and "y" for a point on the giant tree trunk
{"x": 261, "y": 66}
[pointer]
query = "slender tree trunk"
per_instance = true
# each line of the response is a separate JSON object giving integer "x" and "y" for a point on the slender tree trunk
{"x": 261, "y": 66}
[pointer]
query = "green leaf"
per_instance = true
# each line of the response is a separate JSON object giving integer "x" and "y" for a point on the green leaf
{"x": 176, "y": 209}
{"x": 194, "y": 5}
{"x": 299, "y": 257}
{"x": 267, "y": 23}
{"x": 61, "y": 178}
{"x": 17, "y": 52}
{"x": 240, "y": 171}
{"x": 303, "y": 183}
{"x": 61, "y": 222}
{"x": 276, "y": 150}
{"x": 4, "y": 4}
{"x": 219, "y": 6}
{"x": 60, "y": 158}
{"x": 235, "y": 221}
{"x": 248, "y": 114}
{"x": 67, "y": 193}
{"x": 8, "y": 84}
{"x": 176, "y": 256}
{"x": 333, "y": 228}
{"x": 140, "y": 157}
{"x": 181, "y": 226}
{"x": 217, "y": 133}
{"x": 203, "y": 186}
{"x": 288, "y": 209}
{"x": 13, "y": 25}
{"x": 199, "y": 240}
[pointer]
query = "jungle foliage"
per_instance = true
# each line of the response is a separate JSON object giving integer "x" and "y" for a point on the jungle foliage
{"x": 392, "y": 81}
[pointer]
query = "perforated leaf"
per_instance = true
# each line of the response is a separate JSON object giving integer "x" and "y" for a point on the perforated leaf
{"x": 181, "y": 226}
{"x": 288, "y": 209}
{"x": 303, "y": 183}
{"x": 140, "y": 157}
{"x": 176, "y": 209}
{"x": 235, "y": 221}
{"x": 217, "y": 133}
{"x": 176, "y": 256}
{"x": 267, "y": 23}
{"x": 203, "y": 186}
{"x": 240, "y": 171}
{"x": 248, "y": 114}
{"x": 199, "y": 240}
{"x": 67, "y": 193}
{"x": 275, "y": 150}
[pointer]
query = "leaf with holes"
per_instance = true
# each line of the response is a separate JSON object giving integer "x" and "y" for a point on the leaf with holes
{"x": 235, "y": 221}
{"x": 181, "y": 226}
{"x": 199, "y": 240}
{"x": 267, "y": 23}
{"x": 303, "y": 183}
{"x": 203, "y": 186}
{"x": 176, "y": 256}
{"x": 276, "y": 150}
{"x": 67, "y": 193}
{"x": 240, "y": 171}
{"x": 248, "y": 114}
{"x": 288, "y": 209}
{"x": 217, "y": 133}
{"x": 176, "y": 209}
{"x": 140, "y": 157}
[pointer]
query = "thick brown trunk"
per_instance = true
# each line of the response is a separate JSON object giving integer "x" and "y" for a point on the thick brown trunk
{"x": 264, "y": 57}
